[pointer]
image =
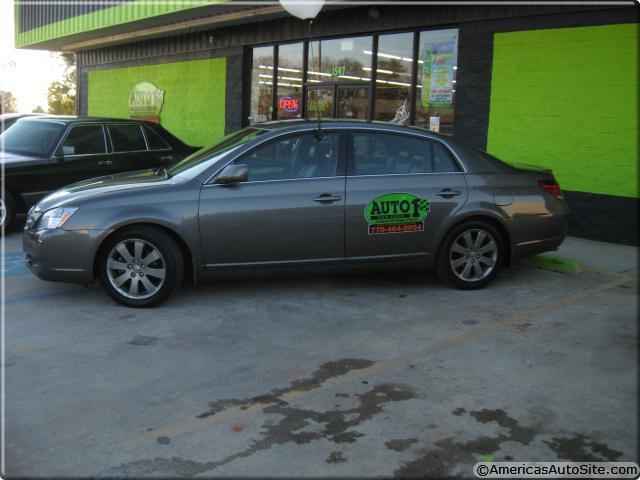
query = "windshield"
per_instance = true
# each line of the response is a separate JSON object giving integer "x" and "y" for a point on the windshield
{"x": 32, "y": 138}
{"x": 223, "y": 146}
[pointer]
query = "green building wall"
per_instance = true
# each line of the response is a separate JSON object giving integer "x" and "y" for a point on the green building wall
{"x": 194, "y": 96}
{"x": 567, "y": 98}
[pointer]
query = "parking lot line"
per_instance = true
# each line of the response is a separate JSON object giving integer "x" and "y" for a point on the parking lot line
{"x": 194, "y": 424}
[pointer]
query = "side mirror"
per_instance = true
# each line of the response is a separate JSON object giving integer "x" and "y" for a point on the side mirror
{"x": 233, "y": 174}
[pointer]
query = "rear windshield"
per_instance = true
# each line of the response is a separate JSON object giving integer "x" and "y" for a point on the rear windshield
{"x": 36, "y": 139}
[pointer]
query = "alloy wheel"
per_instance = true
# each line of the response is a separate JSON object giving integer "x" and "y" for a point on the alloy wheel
{"x": 136, "y": 268}
{"x": 473, "y": 255}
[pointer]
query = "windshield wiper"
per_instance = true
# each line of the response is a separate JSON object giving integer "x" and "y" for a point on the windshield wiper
{"x": 162, "y": 171}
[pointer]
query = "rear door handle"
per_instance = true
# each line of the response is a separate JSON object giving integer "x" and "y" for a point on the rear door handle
{"x": 448, "y": 193}
{"x": 165, "y": 158}
{"x": 105, "y": 162}
{"x": 327, "y": 198}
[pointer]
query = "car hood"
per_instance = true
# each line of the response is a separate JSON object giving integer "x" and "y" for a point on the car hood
{"x": 16, "y": 159}
{"x": 111, "y": 184}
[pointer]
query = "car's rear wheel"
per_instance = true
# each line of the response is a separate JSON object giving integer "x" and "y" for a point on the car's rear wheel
{"x": 7, "y": 211}
{"x": 471, "y": 255}
{"x": 141, "y": 266}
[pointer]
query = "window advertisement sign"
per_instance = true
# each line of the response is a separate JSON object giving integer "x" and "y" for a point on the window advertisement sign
{"x": 439, "y": 55}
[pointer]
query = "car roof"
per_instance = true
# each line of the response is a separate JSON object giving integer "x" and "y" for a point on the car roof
{"x": 68, "y": 119}
{"x": 296, "y": 124}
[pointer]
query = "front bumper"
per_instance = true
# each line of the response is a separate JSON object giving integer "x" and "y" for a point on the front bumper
{"x": 61, "y": 255}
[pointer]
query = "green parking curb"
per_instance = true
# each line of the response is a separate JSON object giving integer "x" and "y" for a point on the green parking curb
{"x": 555, "y": 264}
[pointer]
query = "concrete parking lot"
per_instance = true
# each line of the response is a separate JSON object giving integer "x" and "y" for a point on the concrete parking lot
{"x": 377, "y": 375}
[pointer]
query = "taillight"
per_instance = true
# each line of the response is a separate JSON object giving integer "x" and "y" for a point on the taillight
{"x": 552, "y": 187}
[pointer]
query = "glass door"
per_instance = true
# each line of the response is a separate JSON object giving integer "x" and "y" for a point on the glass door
{"x": 320, "y": 102}
{"x": 350, "y": 102}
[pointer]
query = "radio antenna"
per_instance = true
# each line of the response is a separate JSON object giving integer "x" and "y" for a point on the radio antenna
{"x": 317, "y": 90}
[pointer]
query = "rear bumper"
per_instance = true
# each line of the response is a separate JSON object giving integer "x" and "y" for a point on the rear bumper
{"x": 61, "y": 255}
{"x": 537, "y": 246}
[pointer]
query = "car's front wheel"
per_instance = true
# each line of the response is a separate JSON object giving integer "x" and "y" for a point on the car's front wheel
{"x": 141, "y": 266}
{"x": 471, "y": 255}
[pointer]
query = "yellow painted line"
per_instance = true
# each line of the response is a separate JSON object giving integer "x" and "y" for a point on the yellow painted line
{"x": 195, "y": 424}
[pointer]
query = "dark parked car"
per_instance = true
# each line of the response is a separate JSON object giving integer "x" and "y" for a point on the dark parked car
{"x": 44, "y": 153}
{"x": 286, "y": 195}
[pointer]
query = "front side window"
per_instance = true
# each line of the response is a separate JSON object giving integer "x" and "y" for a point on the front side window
{"x": 34, "y": 138}
{"x": 126, "y": 138}
{"x": 389, "y": 154}
{"x": 84, "y": 140}
{"x": 296, "y": 156}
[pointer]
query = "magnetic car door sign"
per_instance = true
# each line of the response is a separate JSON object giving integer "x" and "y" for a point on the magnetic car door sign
{"x": 396, "y": 213}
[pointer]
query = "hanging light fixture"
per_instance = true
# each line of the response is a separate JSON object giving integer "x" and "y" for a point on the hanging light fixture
{"x": 303, "y": 9}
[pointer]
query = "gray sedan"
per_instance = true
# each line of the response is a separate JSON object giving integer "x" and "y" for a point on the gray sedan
{"x": 290, "y": 195}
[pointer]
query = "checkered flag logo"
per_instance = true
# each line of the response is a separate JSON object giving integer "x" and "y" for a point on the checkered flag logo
{"x": 423, "y": 206}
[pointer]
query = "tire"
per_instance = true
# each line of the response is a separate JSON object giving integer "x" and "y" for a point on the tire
{"x": 7, "y": 211}
{"x": 475, "y": 267}
{"x": 126, "y": 262}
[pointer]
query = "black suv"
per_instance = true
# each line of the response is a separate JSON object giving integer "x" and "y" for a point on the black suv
{"x": 44, "y": 153}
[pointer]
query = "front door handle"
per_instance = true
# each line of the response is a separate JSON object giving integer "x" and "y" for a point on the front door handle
{"x": 166, "y": 158}
{"x": 327, "y": 198}
{"x": 448, "y": 193}
{"x": 105, "y": 162}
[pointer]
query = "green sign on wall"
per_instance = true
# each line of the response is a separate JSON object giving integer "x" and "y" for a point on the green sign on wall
{"x": 190, "y": 94}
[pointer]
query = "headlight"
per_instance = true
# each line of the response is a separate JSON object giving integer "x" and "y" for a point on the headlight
{"x": 56, "y": 217}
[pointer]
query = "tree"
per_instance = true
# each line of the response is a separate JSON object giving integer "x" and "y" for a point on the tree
{"x": 62, "y": 94}
{"x": 38, "y": 109}
{"x": 9, "y": 103}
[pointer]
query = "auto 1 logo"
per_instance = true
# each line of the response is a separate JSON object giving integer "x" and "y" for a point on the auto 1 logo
{"x": 396, "y": 213}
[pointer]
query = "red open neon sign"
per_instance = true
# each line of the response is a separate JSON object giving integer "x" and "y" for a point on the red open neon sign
{"x": 288, "y": 104}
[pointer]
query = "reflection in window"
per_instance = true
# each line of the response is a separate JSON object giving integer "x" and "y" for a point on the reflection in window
{"x": 437, "y": 80}
{"x": 393, "y": 83}
{"x": 289, "y": 102}
{"x": 390, "y": 154}
{"x": 84, "y": 140}
{"x": 261, "y": 85}
{"x": 126, "y": 138}
{"x": 343, "y": 60}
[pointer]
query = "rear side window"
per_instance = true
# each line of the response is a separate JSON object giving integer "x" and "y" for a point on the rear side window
{"x": 388, "y": 154}
{"x": 84, "y": 140}
{"x": 156, "y": 142}
{"x": 126, "y": 138}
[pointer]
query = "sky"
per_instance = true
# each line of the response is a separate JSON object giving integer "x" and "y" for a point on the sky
{"x": 25, "y": 73}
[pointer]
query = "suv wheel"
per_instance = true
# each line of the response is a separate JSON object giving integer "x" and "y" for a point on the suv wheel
{"x": 141, "y": 266}
{"x": 471, "y": 255}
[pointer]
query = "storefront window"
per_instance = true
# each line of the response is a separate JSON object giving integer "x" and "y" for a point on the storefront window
{"x": 289, "y": 101}
{"x": 436, "y": 90}
{"x": 393, "y": 83}
{"x": 262, "y": 85}
{"x": 344, "y": 60}
{"x": 339, "y": 79}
